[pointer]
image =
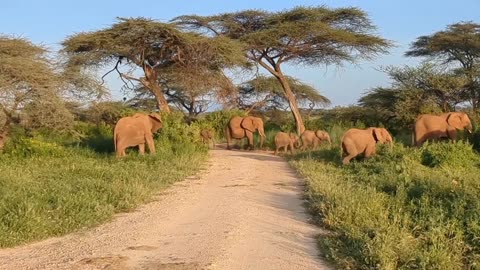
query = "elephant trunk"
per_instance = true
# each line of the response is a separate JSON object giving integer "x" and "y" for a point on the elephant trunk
{"x": 470, "y": 128}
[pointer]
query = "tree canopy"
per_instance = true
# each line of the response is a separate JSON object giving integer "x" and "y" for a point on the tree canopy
{"x": 266, "y": 93}
{"x": 456, "y": 46}
{"x": 303, "y": 35}
{"x": 28, "y": 82}
{"x": 413, "y": 91}
{"x": 154, "y": 47}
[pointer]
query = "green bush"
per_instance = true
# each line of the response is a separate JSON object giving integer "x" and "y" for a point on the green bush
{"x": 96, "y": 137}
{"x": 405, "y": 208}
{"x": 26, "y": 147}
{"x": 459, "y": 154}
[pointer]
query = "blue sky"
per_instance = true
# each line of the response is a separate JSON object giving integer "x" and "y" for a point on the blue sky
{"x": 401, "y": 21}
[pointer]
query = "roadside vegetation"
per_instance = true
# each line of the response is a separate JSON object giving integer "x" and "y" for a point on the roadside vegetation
{"x": 405, "y": 208}
{"x": 52, "y": 184}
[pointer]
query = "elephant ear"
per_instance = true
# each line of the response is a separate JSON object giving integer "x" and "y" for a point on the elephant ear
{"x": 455, "y": 120}
{"x": 378, "y": 135}
{"x": 248, "y": 123}
{"x": 156, "y": 117}
{"x": 386, "y": 135}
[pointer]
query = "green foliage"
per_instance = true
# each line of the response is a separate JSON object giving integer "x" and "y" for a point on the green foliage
{"x": 108, "y": 112}
{"x": 393, "y": 212}
{"x": 76, "y": 182}
{"x": 28, "y": 147}
{"x": 457, "y": 45}
{"x": 30, "y": 87}
{"x": 99, "y": 138}
{"x": 458, "y": 154}
{"x": 425, "y": 89}
{"x": 160, "y": 51}
{"x": 266, "y": 94}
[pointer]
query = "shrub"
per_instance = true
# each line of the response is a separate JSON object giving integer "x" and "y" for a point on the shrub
{"x": 459, "y": 154}
{"x": 27, "y": 147}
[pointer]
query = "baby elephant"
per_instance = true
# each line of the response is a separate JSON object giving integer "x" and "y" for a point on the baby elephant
{"x": 314, "y": 138}
{"x": 136, "y": 130}
{"x": 285, "y": 140}
{"x": 358, "y": 141}
{"x": 208, "y": 135}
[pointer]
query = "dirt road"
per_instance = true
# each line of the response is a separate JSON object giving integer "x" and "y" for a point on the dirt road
{"x": 244, "y": 212}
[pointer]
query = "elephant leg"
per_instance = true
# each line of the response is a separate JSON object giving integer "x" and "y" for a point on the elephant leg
{"x": 121, "y": 151}
{"x": 452, "y": 134}
{"x": 250, "y": 139}
{"x": 304, "y": 145}
{"x": 315, "y": 144}
{"x": 351, "y": 152}
{"x": 276, "y": 150}
{"x": 291, "y": 148}
{"x": 370, "y": 151}
{"x": 150, "y": 143}
{"x": 141, "y": 148}
{"x": 228, "y": 136}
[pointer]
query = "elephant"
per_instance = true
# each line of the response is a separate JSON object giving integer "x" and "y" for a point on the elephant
{"x": 207, "y": 136}
{"x": 357, "y": 141}
{"x": 309, "y": 137}
{"x": 285, "y": 140}
{"x": 136, "y": 130}
{"x": 428, "y": 126}
{"x": 241, "y": 127}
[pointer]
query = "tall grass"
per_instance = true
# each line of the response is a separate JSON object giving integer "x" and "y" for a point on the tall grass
{"x": 49, "y": 188}
{"x": 405, "y": 208}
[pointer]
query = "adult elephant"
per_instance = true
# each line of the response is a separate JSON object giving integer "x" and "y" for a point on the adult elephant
{"x": 241, "y": 127}
{"x": 357, "y": 141}
{"x": 428, "y": 126}
{"x": 136, "y": 130}
{"x": 314, "y": 138}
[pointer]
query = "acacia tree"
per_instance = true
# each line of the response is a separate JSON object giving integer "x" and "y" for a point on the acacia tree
{"x": 30, "y": 87}
{"x": 152, "y": 47}
{"x": 267, "y": 93}
{"x": 300, "y": 36}
{"x": 458, "y": 45}
{"x": 192, "y": 91}
{"x": 414, "y": 90}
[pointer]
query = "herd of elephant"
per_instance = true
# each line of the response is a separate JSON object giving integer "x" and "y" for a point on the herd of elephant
{"x": 138, "y": 129}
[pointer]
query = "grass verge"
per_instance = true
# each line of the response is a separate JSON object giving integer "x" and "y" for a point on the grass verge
{"x": 402, "y": 209}
{"x": 66, "y": 189}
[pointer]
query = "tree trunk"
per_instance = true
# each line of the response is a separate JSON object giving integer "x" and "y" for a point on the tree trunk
{"x": 292, "y": 101}
{"x": 151, "y": 82}
{"x": 162, "y": 103}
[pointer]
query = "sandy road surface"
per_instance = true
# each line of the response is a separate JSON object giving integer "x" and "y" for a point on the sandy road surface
{"x": 244, "y": 212}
